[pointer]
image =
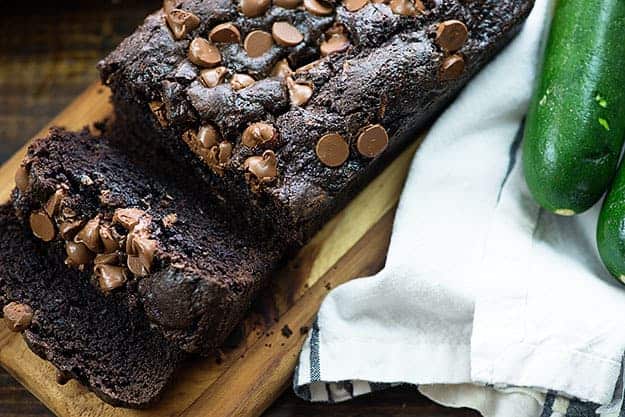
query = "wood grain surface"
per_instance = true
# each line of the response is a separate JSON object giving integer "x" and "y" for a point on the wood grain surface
{"x": 40, "y": 71}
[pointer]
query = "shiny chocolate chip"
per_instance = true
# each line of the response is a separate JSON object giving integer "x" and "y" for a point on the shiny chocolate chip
{"x": 225, "y": 152}
{"x": 240, "y": 81}
{"x": 128, "y": 217}
{"x": 90, "y": 235}
{"x": 281, "y": 69}
{"x": 17, "y": 316}
{"x": 203, "y": 53}
{"x": 258, "y": 133}
{"x": 106, "y": 258}
{"x": 332, "y": 150}
{"x": 254, "y": 8}
{"x": 354, "y": 5}
{"x": 42, "y": 226}
{"x": 336, "y": 41}
{"x": 452, "y": 67}
{"x": 139, "y": 246}
{"x": 372, "y": 141}
{"x": 77, "y": 254}
{"x": 52, "y": 205}
{"x": 208, "y": 136}
{"x": 451, "y": 35}
{"x": 265, "y": 167}
{"x": 285, "y": 34}
{"x": 257, "y": 43}
{"x": 213, "y": 77}
{"x": 406, "y": 7}
{"x": 317, "y": 7}
{"x": 225, "y": 33}
{"x": 158, "y": 110}
{"x": 110, "y": 238}
{"x": 110, "y": 277}
{"x": 68, "y": 229}
{"x": 181, "y": 22}
{"x": 299, "y": 92}
{"x": 287, "y": 4}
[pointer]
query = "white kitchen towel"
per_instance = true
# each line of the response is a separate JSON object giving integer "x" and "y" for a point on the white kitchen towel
{"x": 486, "y": 300}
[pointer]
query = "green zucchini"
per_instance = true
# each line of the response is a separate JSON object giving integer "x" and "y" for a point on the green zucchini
{"x": 611, "y": 228}
{"x": 576, "y": 122}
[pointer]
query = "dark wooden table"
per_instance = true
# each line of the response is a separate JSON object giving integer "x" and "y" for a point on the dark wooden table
{"x": 48, "y": 51}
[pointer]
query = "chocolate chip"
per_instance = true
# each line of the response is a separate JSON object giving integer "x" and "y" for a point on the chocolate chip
{"x": 336, "y": 40}
{"x": 90, "y": 235}
{"x": 287, "y": 4}
{"x": 265, "y": 167}
{"x": 406, "y": 7}
{"x": 53, "y": 203}
{"x": 106, "y": 258}
{"x": 139, "y": 246}
{"x": 68, "y": 229}
{"x": 110, "y": 277}
{"x": 451, "y": 35}
{"x": 332, "y": 150}
{"x": 452, "y": 67}
{"x": 77, "y": 254}
{"x": 354, "y": 5}
{"x": 372, "y": 141}
{"x": 17, "y": 316}
{"x": 281, "y": 69}
{"x": 299, "y": 92}
{"x": 257, "y": 43}
{"x": 181, "y": 22}
{"x": 158, "y": 110}
{"x": 254, "y": 8}
{"x": 318, "y": 8}
{"x": 208, "y": 136}
{"x": 285, "y": 34}
{"x": 22, "y": 178}
{"x": 213, "y": 77}
{"x": 203, "y": 53}
{"x": 128, "y": 217}
{"x": 239, "y": 81}
{"x": 42, "y": 225}
{"x": 110, "y": 238}
{"x": 225, "y": 33}
{"x": 225, "y": 152}
{"x": 258, "y": 133}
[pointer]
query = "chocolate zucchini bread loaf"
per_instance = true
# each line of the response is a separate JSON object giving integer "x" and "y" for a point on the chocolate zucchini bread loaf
{"x": 146, "y": 236}
{"x": 104, "y": 342}
{"x": 285, "y": 110}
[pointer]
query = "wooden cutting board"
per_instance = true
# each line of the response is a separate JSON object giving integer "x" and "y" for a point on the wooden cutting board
{"x": 246, "y": 379}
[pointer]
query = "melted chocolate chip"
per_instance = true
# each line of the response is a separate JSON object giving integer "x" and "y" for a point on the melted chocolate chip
{"x": 258, "y": 133}
{"x": 225, "y": 33}
{"x": 106, "y": 259}
{"x": 181, "y": 22}
{"x": 287, "y": 4}
{"x": 203, "y": 53}
{"x": 128, "y": 217}
{"x": 240, "y": 81}
{"x": 355, "y": 5}
{"x": 90, "y": 235}
{"x": 281, "y": 69}
{"x": 213, "y": 77}
{"x": 42, "y": 226}
{"x": 139, "y": 246}
{"x": 208, "y": 136}
{"x": 265, "y": 167}
{"x": 406, "y": 7}
{"x": 336, "y": 40}
{"x": 110, "y": 238}
{"x": 17, "y": 316}
{"x": 299, "y": 92}
{"x": 68, "y": 229}
{"x": 110, "y": 277}
{"x": 332, "y": 150}
{"x": 52, "y": 205}
{"x": 77, "y": 254}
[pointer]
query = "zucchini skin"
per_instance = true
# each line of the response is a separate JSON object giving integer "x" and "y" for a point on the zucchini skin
{"x": 576, "y": 121}
{"x": 611, "y": 228}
